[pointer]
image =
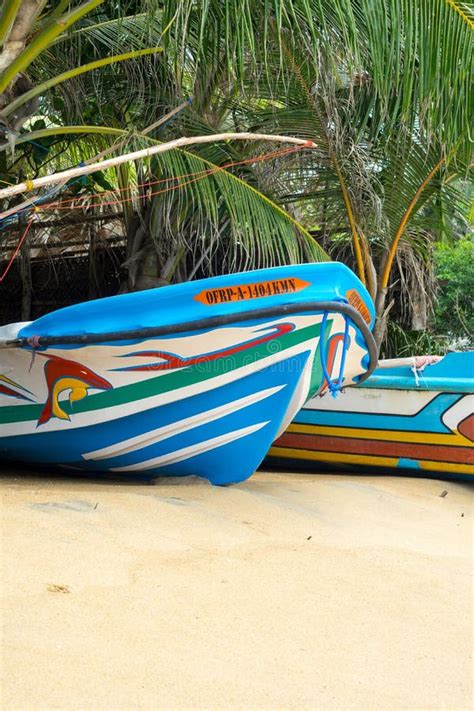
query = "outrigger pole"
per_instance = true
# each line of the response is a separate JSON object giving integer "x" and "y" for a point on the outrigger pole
{"x": 117, "y": 145}
{"x": 65, "y": 175}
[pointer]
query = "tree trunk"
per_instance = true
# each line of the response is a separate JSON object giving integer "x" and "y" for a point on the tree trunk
{"x": 141, "y": 262}
{"x": 94, "y": 284}
{"x": 20, "y": 31}
{"x": 381, "y": 314}
{"x": 419, "y": 317}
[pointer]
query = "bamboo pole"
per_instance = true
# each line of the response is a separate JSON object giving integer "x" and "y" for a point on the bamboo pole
{"x": 117, "y": 145}
{"x": 145, "y": 153}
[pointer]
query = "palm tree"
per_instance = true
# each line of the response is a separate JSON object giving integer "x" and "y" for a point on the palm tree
{"x": 101, "y": 102}
{"x": 384, "y": 88}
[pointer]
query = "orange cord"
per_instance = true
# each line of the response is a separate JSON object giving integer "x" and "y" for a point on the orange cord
{"x": 66, "y": 204}
{"x": 18, "y": 247}
{"x": 194, "y": 177}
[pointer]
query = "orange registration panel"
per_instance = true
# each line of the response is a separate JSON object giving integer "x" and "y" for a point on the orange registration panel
{"x": 258, "y": 290}
{"x": 356, "y": 301}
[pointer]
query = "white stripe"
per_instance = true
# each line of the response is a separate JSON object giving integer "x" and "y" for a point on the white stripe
{"x": 157, "y": 435}
{"x": 373, "y": 401}
{"x": 300, "y": 395}
{"x": 458, "y": 412}
{"x": 193, "y": 450}
{"x": 92, "y": 417}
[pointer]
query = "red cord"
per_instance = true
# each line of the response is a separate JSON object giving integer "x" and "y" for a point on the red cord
{"x": 61, "y": 204}
{"x": 65, "y": 204}
{"x": 15, "y": 253}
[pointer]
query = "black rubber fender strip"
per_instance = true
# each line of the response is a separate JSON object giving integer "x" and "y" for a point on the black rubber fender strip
{"x": 211, "y": 322}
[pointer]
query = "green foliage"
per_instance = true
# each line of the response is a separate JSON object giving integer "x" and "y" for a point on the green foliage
{"x": 401, "y": 343}
{"x": 222, "y": 222}
{"x": 454, "y": 268}
{"x": 384, "y": 88}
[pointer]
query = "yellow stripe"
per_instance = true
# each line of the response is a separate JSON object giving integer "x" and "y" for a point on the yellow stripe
{"x": 447, "y": 467}
{"x": 453, "y": 439}
{"x": 4, "y": 379}
{"x": 363, "y": 459}
{"x": 288, "y": 453}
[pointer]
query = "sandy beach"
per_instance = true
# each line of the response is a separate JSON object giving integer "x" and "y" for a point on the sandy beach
{"x": 289, "y": 591}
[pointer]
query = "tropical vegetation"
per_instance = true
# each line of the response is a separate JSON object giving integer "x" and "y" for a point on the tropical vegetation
{"x": 383, "y": 87}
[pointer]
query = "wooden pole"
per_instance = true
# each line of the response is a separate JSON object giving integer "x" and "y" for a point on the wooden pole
{"x": 116, "y": 146}
{"x": 64, "y": 175}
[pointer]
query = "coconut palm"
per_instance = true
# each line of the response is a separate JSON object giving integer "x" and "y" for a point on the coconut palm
{"x": 384, "y": 88}
{"x": 98, "y": 99}
{"x": 393, "y": 131}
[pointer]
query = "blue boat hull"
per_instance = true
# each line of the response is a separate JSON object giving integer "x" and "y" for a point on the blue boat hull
{"x": 206, "y": 401}
{"x": 395, "y": 422}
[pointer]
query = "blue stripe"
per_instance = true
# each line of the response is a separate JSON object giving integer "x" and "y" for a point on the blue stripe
{"x": 228, "y": 463}
{"x": 427, "y": 419}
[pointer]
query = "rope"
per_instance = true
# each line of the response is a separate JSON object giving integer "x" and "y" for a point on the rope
{"x": 197, "y": 175}
{"x": 132, "y": 198}
{"x": 12, "y": 214}
{"x": 34, "y": 202}
{"x": 334, "y": 386}
{"x": 141, "y": 334}
{"x": 18, "y": 247}
{"x": 194, "y": 177}
{"x": 67, "y": 204}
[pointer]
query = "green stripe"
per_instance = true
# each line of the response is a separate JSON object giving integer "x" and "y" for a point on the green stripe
{"x": 163, "y": 383}
{"x": 317, "y": 376}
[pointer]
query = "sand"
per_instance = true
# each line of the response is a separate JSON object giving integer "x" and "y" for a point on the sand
{"x": 289, "y": 591}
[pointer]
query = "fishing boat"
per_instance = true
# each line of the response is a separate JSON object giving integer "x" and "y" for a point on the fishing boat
{"x": 412, "y": 416}
{"x": 190, "y": 379}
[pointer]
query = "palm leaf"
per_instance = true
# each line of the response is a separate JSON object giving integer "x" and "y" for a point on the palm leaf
{"x": 43, "y": 39}
{"x": 215, "y": 210}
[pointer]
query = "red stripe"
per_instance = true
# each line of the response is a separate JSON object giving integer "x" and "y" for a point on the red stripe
{"x": 175, "y": 361}
{"x": 348, "y": 445}
{"x": 466, "y": 427}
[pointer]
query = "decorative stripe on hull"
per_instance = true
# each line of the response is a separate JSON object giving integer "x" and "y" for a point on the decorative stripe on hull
{"x": 378, "y": 447}
{"x": 364, "y": 462}
{"x": 426, "y": 431}
{"x": 154, "y": 436}
{"x": 160, "y": 441}
{"x": 180, "y": 455}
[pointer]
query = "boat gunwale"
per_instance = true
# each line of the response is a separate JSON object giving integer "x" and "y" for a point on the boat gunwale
{"x": 208, "y": 322}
